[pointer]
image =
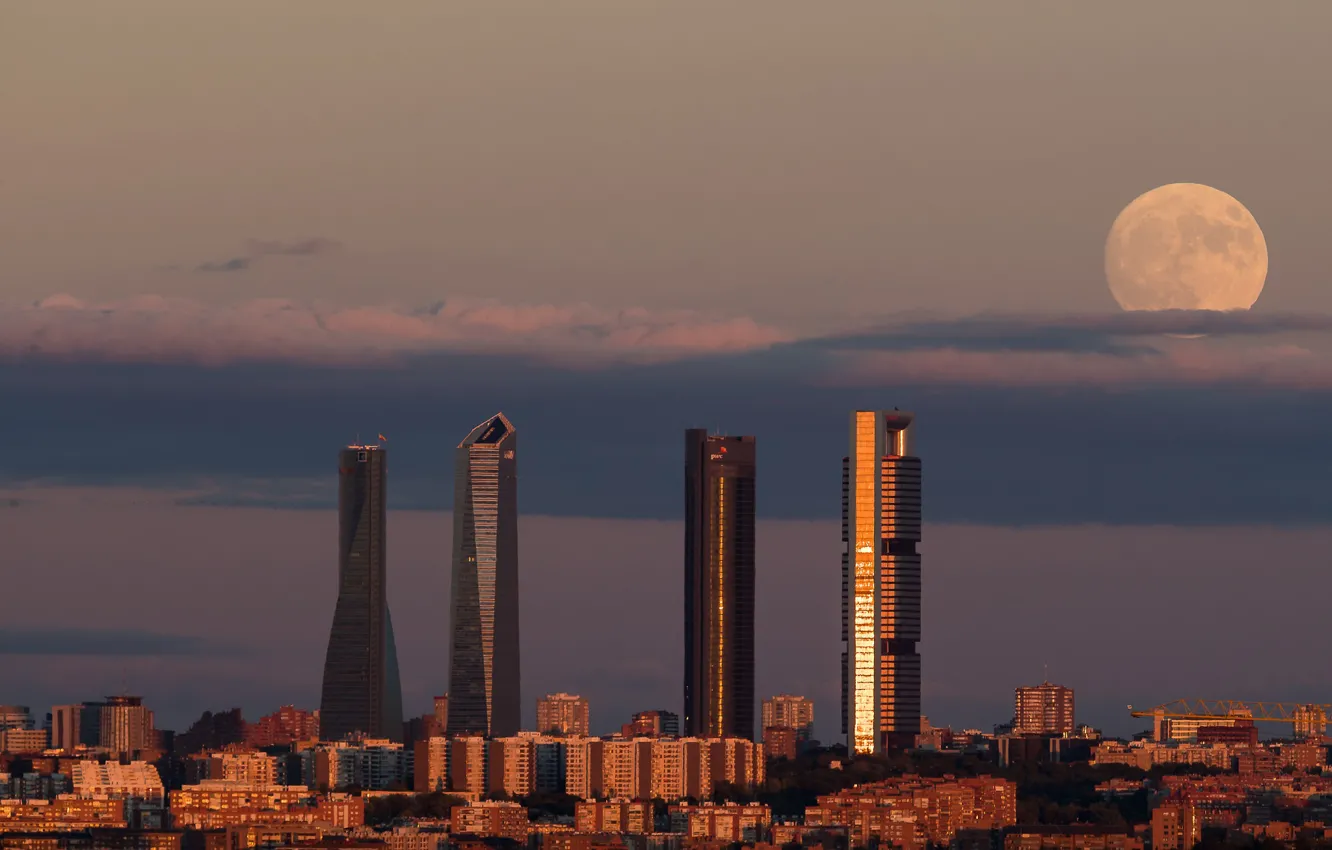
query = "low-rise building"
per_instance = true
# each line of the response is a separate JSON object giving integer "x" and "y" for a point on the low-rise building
{"x": 491, "y": 818}
{"x": 66, "y": 813}
{"x": 1074, "y": 837}
{"x": 219, "y": 803}
{"x": 614, "y": 816}
{"x": 912, "y": 811}
{"x": 727, "y": 822}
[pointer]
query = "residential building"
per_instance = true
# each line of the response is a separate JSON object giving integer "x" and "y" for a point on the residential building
{"x": 614, "y": 816}
{"x": 913, "y": 812}
{"x": 361, "y": 691}
{"x": 63, "y": 814}
{"x": 288, "y": 725}
{"x": 584, "y": 767}
{"x": 562, "y": 714}
{"x": 881, "y": 516}
{"x": 1080, "y": 836}
{"x": 66, "y": 726}
{"x": 498, "y": 819}
{"x": 469, "y": 765}
{"x": 1176, "y": 825}
{"x": 780, "y": 742}
{"x": 719, "y": 585}
{"x": 218, "y": 804}
{"x": 431, "y": 765}
{"x": 441, "y": 714}
{"x": 484, "y": 696}
{"x": 126, "y": 726}
{"x": 370, "y": 764}
{"x": 16, "y": 740}
{"x": 652, "y": 724}
{"x": 627, "y": 768}
{"x": 137, "y": 779}
{"x": 1043, "y": 709}
{"x": 727, "y": 822}
{"x": 237, "y": 764}
{"x": 15, "y": 717}
{"x": 794, "y": 712}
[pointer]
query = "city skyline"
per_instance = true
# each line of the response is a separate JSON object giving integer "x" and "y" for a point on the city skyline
{"x": 362, "y": 689}
{"x": 484, "y": 678}
{"x": 896, "y": 206}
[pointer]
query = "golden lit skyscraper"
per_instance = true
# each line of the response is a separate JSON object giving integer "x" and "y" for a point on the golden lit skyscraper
{"x": 880, "y": 584}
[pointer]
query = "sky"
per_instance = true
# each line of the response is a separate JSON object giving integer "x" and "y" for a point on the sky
{"x": 235, "y": 237}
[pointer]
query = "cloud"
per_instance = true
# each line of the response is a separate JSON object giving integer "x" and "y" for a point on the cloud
{"x": 235, "y": 264}
{"x": 1283, "y": 365}
{"x": 258, "y": 248}
{"x": 156, "y": 329}
{"x": 103, "y": 642}
{"x": 308, "y": 247}
{"x": 1106, "y": 350}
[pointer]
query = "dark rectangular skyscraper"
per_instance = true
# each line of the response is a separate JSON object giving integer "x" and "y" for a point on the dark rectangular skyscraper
{"x": 483, "y": 629}
{"x": 719, "y": 585}
{"x": 880, "y": 584}
{"x": 362, "y": 693}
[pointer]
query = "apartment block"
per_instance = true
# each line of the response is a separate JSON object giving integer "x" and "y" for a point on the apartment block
{"x": 563, "y": 714}
{"x": 614, "y": 816}
{"x": 217, "y": 804}
{"x": 491, "y": 819}
{"x": 431, "y": 765}
{"x": 288, "y": 725}
{"x": 729, "y": 822}
{"x": 1044, "y": 709}
{"x": 913, "y": 812}
{"x": 791, "y": 711}
{"x": 111, "y": 779}
{"x": 15, "y": 740}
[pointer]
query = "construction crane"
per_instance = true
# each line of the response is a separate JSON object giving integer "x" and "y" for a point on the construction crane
{"x": 1309, "y": 719}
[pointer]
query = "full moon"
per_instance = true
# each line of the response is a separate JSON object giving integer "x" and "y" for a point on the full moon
{"x": 1185, "y": 246}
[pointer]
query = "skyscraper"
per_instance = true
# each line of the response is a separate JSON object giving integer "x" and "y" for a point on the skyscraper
{"x": 719, "y": 585}
{"x": 483, "y": 624}
{"x": 361, "y": 690}
{"x": 880, "y": 584}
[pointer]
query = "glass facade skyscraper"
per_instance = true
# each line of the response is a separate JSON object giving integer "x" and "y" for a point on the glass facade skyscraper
{"x": 880, "y": 584}
{"x": 719, "y": 585}
{"x": 361, "y": 692}
{"x": 484, "y": 694}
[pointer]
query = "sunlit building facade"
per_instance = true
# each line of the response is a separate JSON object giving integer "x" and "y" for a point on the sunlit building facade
{"x": 1043, "y": 709}
{"x": 484, "y": 694}
{"x": 880, "y": 584}
{"x": 793, "y": 712}
{"x": 361, "y": 691}
{"x": 719, "y": 585}
{"x": 563, "y": 714}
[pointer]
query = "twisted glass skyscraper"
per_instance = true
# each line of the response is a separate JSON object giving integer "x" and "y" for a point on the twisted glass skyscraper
{"x": 361, "y": 692}
{"x": 719, "y": 585}
{"x": 483, "y": 629}
{"x": 880, "y": 584}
